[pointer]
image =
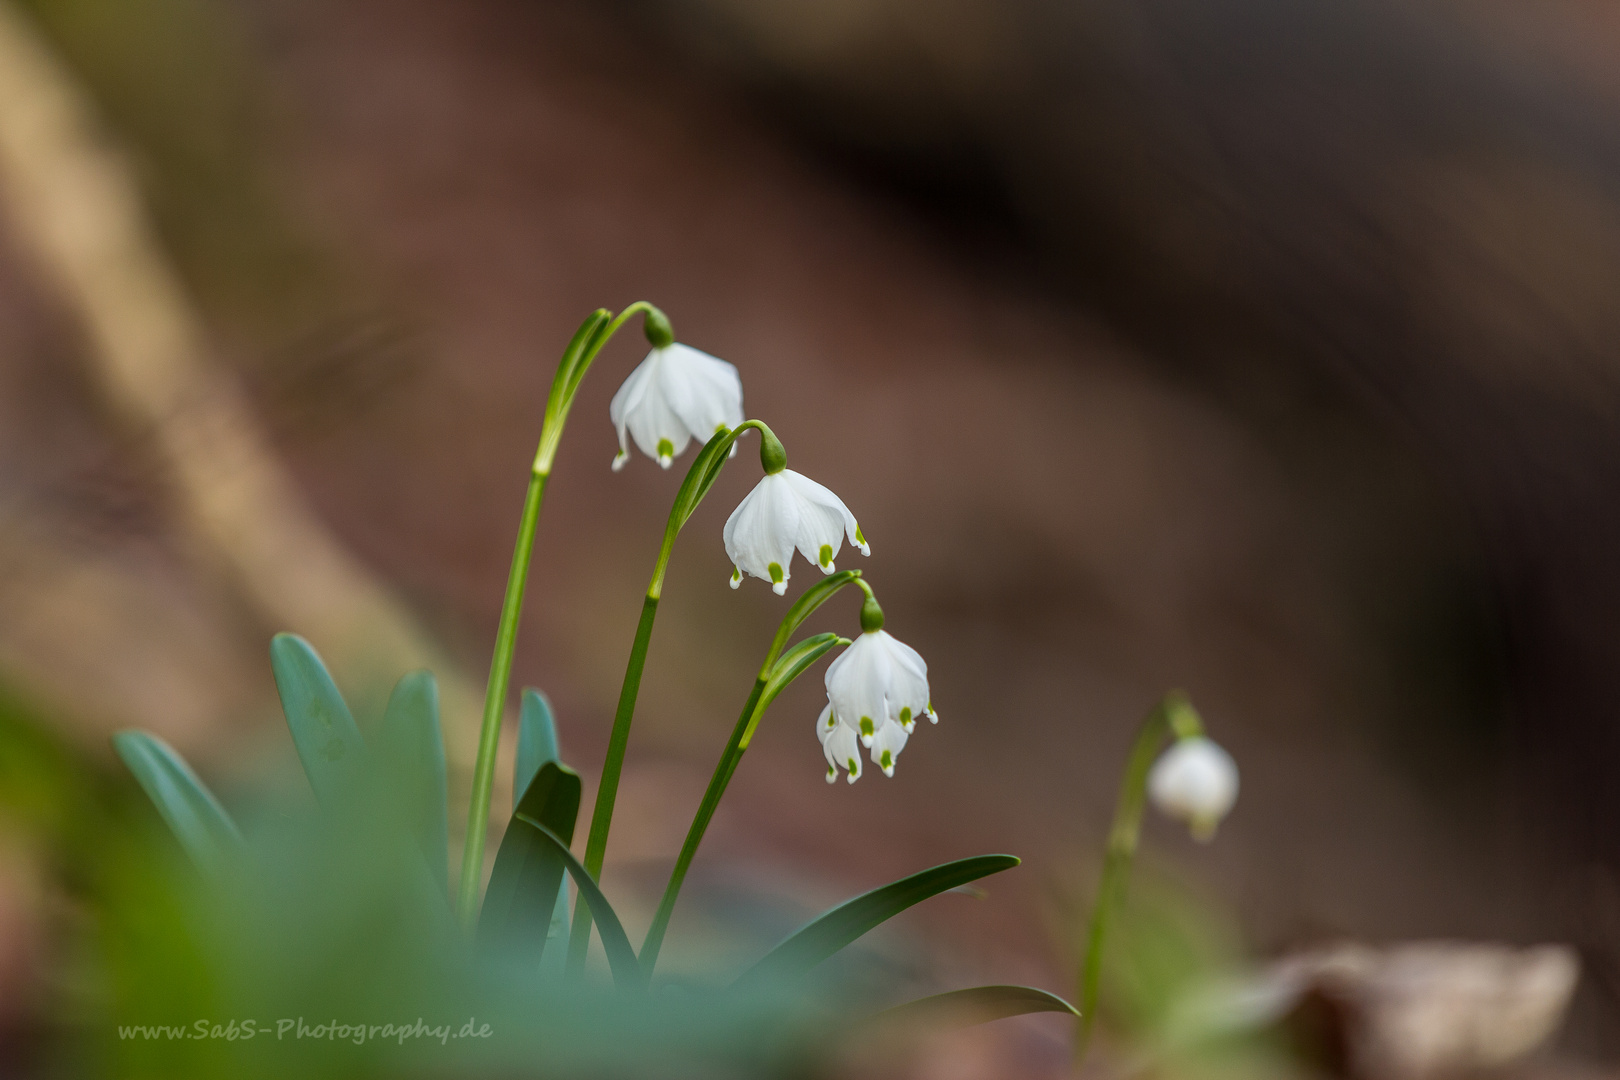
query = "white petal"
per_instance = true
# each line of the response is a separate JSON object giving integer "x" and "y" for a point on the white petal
{"x": 886, "y": 747}
{"x": 908, "y": 686}
{"x": 842, "y": 752}
{"x": 648, "y": 415}
{"x": 826, "y": 723}
{"x": 833, "y": 521}
{"x": 703, "y": 390}
{"x": 760, "y": 531}
{"x": 627, "y": 398}
{"x": 858, "y": 684}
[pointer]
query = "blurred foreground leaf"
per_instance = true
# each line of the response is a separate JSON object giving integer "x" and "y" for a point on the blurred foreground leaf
{"x": 323, "y": 729}
{"x": 537, "y": 739}
{"x": 192, "y": 813}
{"x": 411, "y": 745}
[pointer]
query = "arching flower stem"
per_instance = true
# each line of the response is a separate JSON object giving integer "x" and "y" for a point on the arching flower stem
{"x": 699, "y": 479}
{"x": 582, "y": 350}
{"x": 1173, "y": 717}
{"x": 775, "y": 674}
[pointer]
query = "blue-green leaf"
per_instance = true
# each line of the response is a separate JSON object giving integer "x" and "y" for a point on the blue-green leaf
{"x": 411, "y": 746}
{"x": 323, "y": 730}
{"x": 621, "y": 957}
{"x": 537, "y": 739}
{"x": 843, "y": 924}
{"x": 978, "y": 1005}
{"x": 522, "y": 896}
{"x": 190, "y": 810}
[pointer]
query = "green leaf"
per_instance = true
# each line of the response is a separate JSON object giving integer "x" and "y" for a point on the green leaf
{"x": 190, "y": 810}
{"x": 537, "y": 739}
{"x": 323, "y": 730}
{"x": 621, "y": 957}
{"x": 843, "y": 924}
{"x": 411, "y": 746}
{"x": 793, "y": 663}
{"x": 522, "y": 896}
{"x": 979, "y": 1005}
{"x": 808, "y": 601}
{"x": 701, "y": 476}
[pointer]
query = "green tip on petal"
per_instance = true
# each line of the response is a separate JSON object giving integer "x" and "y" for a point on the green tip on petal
{"x": 905, "y": 715}
{"x": 666, "y": 452}
{"x": 886, "y": 762}
{"x": 656, "y": 326}
{"x": 866, "y": 727}
{"x": 826, "y": 557}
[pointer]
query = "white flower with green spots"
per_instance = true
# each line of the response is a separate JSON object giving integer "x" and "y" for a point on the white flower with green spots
{"x": 876, "y": 690}
{"x": 674, "y": 396}
{"x": 785, "y": 511}
{"x": 1195, "y": 782}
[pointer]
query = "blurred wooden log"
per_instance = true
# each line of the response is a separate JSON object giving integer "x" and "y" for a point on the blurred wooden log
{"x": 74, "y": 206}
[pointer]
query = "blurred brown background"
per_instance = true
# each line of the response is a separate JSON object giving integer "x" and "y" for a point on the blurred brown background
{"x": 1270, "y": 350}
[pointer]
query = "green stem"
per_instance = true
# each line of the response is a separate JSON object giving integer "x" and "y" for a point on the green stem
{"x": 500, "y": 672}
{"x": 813, "y": 598}
{"x": 577, "y": 358}
{"x": 723, "y": 770}
{"x": 1173, "y": 716}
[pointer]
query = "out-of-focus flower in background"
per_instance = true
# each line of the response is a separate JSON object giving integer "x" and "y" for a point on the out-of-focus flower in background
{"x": 1195, "y": 781}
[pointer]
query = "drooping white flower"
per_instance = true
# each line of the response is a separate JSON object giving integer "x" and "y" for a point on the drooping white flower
{"x": 675, "y": 395}
{"x": 876, "y": 690}
{"x": 839, "y": 744}
{"x": 787, "y": 510}
{"x": 1196, "y": 782}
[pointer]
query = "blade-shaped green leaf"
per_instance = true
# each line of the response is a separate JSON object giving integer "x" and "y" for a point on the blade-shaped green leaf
{"x": 522, "y": 896}
{"x": 843, "y": 924}
{"x": 978, "y": 1005}
{"x": 621, "y": 957}
{"x": 190, "y": 810}
{"x": 323, "y": 730}
{"x": 537, "y": 739}
{"x": 411, "y": 747}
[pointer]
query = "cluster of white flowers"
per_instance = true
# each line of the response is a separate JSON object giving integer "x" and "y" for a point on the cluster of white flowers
{"x": 878, "y": 687}
{"x": 876, "y": 691}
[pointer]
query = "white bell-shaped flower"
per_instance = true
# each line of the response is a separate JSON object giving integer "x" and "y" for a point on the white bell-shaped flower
{"x": 787, "y": 510}
{"x": 675, "y": 395}
{"x": 878, "y": 681}
{"x": 839, "y": 744}
{"x": 1196, "y": 782}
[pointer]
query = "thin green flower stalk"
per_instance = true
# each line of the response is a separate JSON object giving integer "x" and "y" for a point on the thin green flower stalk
{"x": 1173, "y": 718}
{"x": 699, "y": 479}
{"x": 775, "y": 675}
{"x": 576, "y": 360}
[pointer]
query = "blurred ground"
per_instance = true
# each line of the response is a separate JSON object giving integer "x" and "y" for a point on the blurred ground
{"x": 1267, "y": 353}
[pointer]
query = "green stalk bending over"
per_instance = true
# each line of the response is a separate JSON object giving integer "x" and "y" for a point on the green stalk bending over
{"x": 1173, "y": 718}
{"x": 699, "y": 479}
{"x": 775, "y": 674}
{"x": 582, "y": 351}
